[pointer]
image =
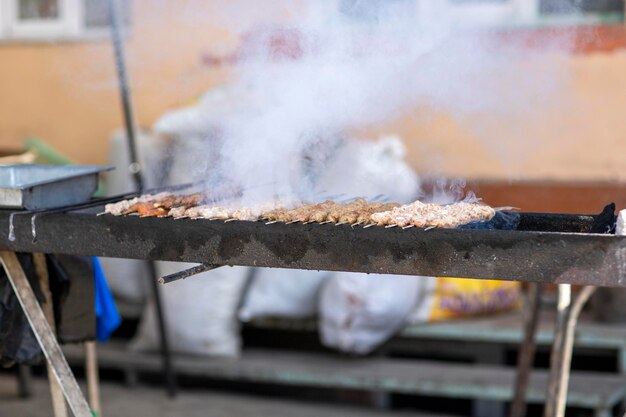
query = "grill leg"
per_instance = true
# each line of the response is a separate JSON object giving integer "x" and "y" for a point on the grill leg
{"x": 93, "y": 379}
{"x": 45, "y": 336}
{"x": 166, "y": 356}
{"x": 526, "y": 355}
{"x": 58, "y": 400}
{"x": 24, "y": 381}
{"x": 561, "y": 355}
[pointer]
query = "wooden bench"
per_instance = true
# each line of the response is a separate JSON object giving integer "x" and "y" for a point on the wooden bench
{"x": 597, "y": 392}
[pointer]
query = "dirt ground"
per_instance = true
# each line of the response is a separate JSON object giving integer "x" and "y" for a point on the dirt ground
{"x": 120, "y": 401}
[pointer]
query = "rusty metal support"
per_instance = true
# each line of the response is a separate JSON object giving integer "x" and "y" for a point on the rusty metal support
{"x": 526, "y": 355}
{"x": 561, "y": 355}
{"x": 188, "y": 273}
{"x": 44, "y": 334}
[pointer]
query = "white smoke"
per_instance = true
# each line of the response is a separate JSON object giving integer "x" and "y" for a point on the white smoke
{"x": 305, "y": 82}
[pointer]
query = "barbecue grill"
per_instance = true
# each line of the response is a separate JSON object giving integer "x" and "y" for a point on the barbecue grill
{"x": 545, "y": 248}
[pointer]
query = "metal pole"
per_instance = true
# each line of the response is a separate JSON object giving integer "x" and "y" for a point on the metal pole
{"x": 135, "y": 169}
{"x": 188, "y": 273}
{"x": 554, "y": 406}
{"x": 93, "y": 378}
{"x": 527, "y": 350}
{"x": 561, "y": 355}
{"x": 125, "y": 94}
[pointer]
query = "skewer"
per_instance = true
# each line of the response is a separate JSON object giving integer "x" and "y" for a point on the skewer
{"x": 230, "y": 220}
{"x": 408, "y": 227}
{"x": 430, "y": 228}
{"x": 367, "y": 226}
{"x": 101, "y": 214}
{"x": 389, "y": 226}
{"x": 272, "y": 222}
{"x": 292, "y": 222}
{"x": 188, "y": 273}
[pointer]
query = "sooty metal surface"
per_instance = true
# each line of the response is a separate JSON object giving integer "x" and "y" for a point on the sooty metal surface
{"x": 568, "y": 256}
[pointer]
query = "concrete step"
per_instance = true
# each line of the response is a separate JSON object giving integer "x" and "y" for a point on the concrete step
{"x": 594, "y": 391}
{"x": 150, "y": 401}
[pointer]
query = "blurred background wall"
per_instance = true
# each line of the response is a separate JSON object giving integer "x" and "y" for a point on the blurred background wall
{"x": 65, "y": 92}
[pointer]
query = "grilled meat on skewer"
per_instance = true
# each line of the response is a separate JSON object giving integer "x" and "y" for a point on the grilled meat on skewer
{"x": 208, "y": 212}
{"x": 321, "y": 214}
{"x": 295, "y": 215}
{"x": 149, "y": 210}
{"x": 129, "y": 206}
{"x": 309, "y": 211}
{"x": 341, "y": 209}
{"x": 423, "y": 215}
{"x": 365, "y": 216}
{"x": 255, "y": 212}
{"x": 177, "y": 212}
{"x": 287, "y": 215}
{"x": 172, "y": 201}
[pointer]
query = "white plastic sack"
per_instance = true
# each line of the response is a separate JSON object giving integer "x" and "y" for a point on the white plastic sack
{"x": 200, "y": 312}
{"x": 285, "y": 293}
{"x": 207, "y": 113}
{"x": 620, "y": 226}
{"x": 369, "y": 170}
{"x": 128, "y": 278}
{"x": 424, "y": 303}
{"x": 359, "y": 312}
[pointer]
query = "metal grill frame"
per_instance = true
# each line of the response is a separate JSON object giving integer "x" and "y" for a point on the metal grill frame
{"x": 571, "y": 256}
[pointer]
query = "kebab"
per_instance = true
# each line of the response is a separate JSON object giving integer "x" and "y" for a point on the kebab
{"x": 359, "y": 211}
{"x": 365, "y": 216}
{"x": 423, "y": 215}
{"x": 342, "y": 209}
{"x": 131, "y": 206}
{"x": 208, "y": 212}
{"x": 299, "y": 214}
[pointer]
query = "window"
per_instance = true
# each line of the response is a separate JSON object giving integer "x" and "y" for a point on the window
{"x": 491, "y": 12}
{"x": 38, "y": 9}
{"x": 537, "y": 12}
{"x": 581, "y": 6}
{"x": 56, "y": 19}
{"x": 422, "y": 12}
{"x": 376, "y": 10}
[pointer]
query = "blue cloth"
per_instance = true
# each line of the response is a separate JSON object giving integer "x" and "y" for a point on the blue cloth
{"x": 107, "y": 317}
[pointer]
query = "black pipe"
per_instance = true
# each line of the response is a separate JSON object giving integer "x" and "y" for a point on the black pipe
{"x": 188, "y": 273}
{"x": 135, "y": 169}
{"x": 125, "y": 94}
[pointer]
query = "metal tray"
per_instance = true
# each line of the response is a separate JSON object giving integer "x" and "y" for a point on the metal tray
{"x": 37, "y": 187}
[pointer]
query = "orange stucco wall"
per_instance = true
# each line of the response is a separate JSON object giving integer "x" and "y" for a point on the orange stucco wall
{"x": 66, "y": 94}
{"x": 581, "y": 137}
